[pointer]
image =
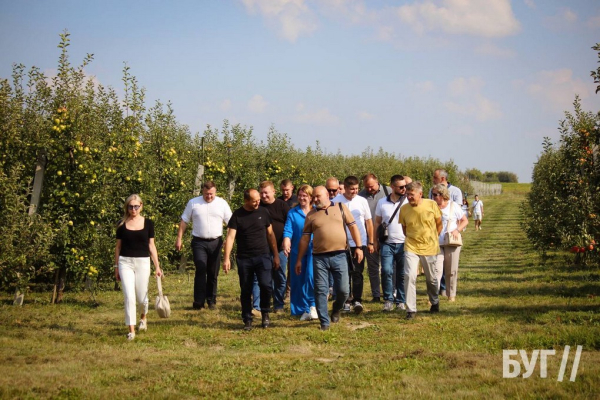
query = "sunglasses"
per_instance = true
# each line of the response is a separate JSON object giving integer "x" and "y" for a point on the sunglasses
{"x": 136, "y": 207}
{"x": 401, "y": 187}
{"x": 436, "y": 194}
{"x": 332, "y": 190}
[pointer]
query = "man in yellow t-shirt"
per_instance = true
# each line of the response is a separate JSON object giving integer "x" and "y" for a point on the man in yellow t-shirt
{"x": 421, "y": 221}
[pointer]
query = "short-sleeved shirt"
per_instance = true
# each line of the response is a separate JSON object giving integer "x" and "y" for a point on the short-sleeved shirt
{"x": 136, "y": 243}
{"x": 450, "y": 217}
{"x": 373, "y": 199}
{"x": 292, "y": 201}
{"x": 421, "y": 228}
{"x": 207, "y": 218}
{"x": 477, "y": 206}
{"x": 359, "y": 207}
{"x": 251, "y": 231}
{"x": 385, "y": 209}
{"x": 278, "y": 210}
{"x": 327, "y": 228}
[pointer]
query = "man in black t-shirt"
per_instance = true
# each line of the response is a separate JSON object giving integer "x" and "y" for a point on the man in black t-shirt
{"x": 278, "y": 210}
{"x": 251, "y": 228}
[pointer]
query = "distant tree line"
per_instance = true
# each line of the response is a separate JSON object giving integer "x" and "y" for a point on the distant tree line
{"x": 491, "y": 177}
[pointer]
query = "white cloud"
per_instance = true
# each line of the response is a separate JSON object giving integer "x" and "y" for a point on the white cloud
{"x": 490, "y": 18}
{"x": 490, "y": 49}
{"x": 563, "y": 19}
{"x": 225, "y": 105}
{"x": 557, "y": 88}
{"x": 354, "y": 11}
{"x": 290, "y": 18}
{"x": 424, "y": 87}
{"x": 257, "y": 104}
{"x": 530, "y": 3}
{"x": 365, "y": 116}
{"x": 319, "y": 117}
{"x": 594, "y": 22}
{"x": 468, "y": 100}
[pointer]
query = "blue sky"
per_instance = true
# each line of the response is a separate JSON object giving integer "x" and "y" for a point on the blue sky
{"x": 480, "y": 82}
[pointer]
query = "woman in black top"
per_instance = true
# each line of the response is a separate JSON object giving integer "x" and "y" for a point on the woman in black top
{"x": 135, "y": 247}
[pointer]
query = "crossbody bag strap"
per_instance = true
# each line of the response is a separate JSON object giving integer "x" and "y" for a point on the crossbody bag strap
{"x": 396, "y": 210}
{"x": 385, "y": 190}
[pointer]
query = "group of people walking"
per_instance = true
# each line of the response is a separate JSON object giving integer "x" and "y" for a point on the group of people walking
{"x": 311, "y": 245}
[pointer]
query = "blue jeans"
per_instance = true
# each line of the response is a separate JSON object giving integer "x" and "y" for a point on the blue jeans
{"x": 279, "y": 285}
{"x": 392, "y": 254}
{"x": 249, "y": 269}
{"x": 335, "y": 263}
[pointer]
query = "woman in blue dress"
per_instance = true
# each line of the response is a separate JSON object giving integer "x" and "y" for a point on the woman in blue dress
{"x": 302, "y": 292}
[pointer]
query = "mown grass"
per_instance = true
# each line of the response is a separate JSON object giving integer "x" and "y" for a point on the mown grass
{"x": 507, "y": 299}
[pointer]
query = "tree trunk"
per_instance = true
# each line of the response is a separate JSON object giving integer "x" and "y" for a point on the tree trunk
{"x": 59, "y": 285}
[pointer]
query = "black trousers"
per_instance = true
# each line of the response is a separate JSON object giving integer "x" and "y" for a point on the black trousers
{"x": 356, "y": 276}
{"x": 261, "y": 266}
{"x": 207, "y": 259}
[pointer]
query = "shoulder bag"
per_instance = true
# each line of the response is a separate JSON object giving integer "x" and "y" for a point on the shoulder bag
{"x": 163, "y": 308}
{"x": 448, "y": 239}
{"x": 348, "y": 251}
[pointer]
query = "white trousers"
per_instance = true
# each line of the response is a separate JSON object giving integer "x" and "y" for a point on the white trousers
{"x": 135, "y": 274}
{"x": 447, "y": 262}
{"x": 411, "y": 266}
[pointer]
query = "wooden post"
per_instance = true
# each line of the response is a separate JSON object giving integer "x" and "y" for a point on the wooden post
{"x": 38, "y": 181}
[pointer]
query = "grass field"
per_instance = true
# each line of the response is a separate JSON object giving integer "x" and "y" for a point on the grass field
{"x": 507, "y": 299}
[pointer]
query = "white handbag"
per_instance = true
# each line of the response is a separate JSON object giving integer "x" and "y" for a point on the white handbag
{"x": 163, "y": 308}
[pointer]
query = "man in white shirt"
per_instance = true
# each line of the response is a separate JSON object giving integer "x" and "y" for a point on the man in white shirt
{"x": 392, "y": 249}
{"x": 477, "y": 212}
{"x": 207, "y": 213}
{"x": 373, "y": 191}
{"x": 359, "y": 207}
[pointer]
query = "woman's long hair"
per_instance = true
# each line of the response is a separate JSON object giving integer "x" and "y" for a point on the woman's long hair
{"x": 126, "y": 208}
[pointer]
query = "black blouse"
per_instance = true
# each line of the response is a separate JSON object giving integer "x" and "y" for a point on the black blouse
{"x": 136, "y": 243}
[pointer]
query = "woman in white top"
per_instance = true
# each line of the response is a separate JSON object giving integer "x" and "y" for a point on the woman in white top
{"x": 453, "y": 221}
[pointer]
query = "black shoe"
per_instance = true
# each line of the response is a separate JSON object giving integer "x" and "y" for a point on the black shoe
{"x": 324, "y": 327}
{"x": 376, "y": 300}
{"x": 197, "y": 306}
{"x": 335, "y": 316}
{"x": 435, "y": 308}
{"x": 212, "y": 306}
{"x": 248, "y": 325}
{"x": 265, "y": 320}
{"x": 411, "y": 315}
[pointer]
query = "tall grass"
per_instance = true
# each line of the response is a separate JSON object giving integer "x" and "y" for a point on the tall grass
{"x": 507, "y": 299}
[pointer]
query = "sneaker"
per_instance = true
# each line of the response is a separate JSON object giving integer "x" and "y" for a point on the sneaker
{"x": 131, "y": 336}
{"x": 324, "y": 327}
{"x": 256, "y": 313}
{"x": 313, "y": 313}
{"x": 248, "y": 325}
{"x": 451, "y": 298}
{"x": 358, "y": 308}
{"x": 197, "y": 306}
{"x": 346, "y": 307}
{"x": 435, "y": 308}
{"x": 143, "y": 325}
{"x": 305, "y": 317}
{"x": 411, "y": 315}
{"x": 400, "y": 306}
{"x": 335, "y": 316}
{"x": 376, "y": 300}
{"x": 266, "y": 321}
{"x": 212, "y": 306}
{"x": 388, "y": 306}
